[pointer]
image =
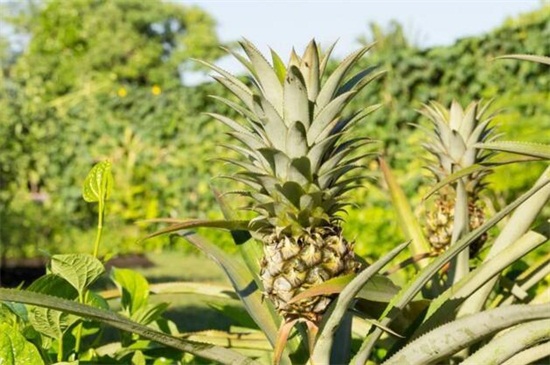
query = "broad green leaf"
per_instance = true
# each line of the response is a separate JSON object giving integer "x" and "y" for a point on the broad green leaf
{"x": 331, "y": 321}
{"x": 99, "y": 183}
{"x": 527, "y": 57}
{"x": 510, "y": 343}
{"x": 211, "y": 352}
{"x": 178, "y": 225}
{"x": 410, "y": 290}
{"x": 134, "y": 289}
{"x": 54, "y": 285}
{"x": 454, "y": 336}
{"x": 80, "y": 270}
{"x": 149, "y": 313}
{"x": 538, "y": 150}
{"x": 50, "y": 322}
{"x": 15, "y": 349}
{"x": 407, "y": 220}
{"x": 47, "y": 321}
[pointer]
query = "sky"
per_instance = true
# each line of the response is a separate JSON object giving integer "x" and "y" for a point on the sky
{"x": 284, "y": 24}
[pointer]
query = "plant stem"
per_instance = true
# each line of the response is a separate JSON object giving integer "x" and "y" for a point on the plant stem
{"x": 83, "y": 297}
{"x": 60, "y": 349}
{"x": 100, "y": 213}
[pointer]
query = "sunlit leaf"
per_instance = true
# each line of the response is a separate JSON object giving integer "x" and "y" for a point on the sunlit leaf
{"x": 80, "y": 270}
{"x": 99, "y": 183}
{"x": 15, "y": 349}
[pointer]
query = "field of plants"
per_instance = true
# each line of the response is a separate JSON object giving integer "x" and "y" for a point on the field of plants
{"x": 389, "y": 207}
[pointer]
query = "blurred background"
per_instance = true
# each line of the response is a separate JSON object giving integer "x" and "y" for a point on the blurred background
{"x": 88, "y": 80}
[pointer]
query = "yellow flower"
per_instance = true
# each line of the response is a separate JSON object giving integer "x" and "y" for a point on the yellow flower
{"x": 122, "y": 92}
{"x": 156, "y": 90}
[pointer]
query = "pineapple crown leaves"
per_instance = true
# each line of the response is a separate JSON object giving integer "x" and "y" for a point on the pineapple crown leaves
{"x": 292, "y": 133}
{"x": 454, "y": 136}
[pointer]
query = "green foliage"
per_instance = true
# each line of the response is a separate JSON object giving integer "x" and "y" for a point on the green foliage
{"x": 126, "y": 104}
{"x": 15, "y": 349}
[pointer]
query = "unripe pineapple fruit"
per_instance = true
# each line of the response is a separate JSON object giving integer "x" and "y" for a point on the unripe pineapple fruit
{"x": 453, "y": 135}
{"x": 297, "y": 156}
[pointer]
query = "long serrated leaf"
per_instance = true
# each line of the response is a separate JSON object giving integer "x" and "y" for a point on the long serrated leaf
{"x": 323, "y": 347}
{"x": 215, "y": 353}
{"x": 510, "y": 343}
{"x": 266, "y": 75}
{"x": 379, "y": 288}
{"x": 310, "y": 69}
{"x": 411, "y": 289}
{"x": 527, "y": 57}
{"x": 329, "y": 89}
{"x": 409, "y": 224}
{"x": 538, "y": 150}
{"x": 439, "y": 310}
{"x": 530, "y": 356}
{"x": 325, "y": 116}
{"x": 474, "y": 169}
{"x": 517, "y": 225}
{"x": 454, "y": 336}
{"x": 198, "y": 223}
{"x": 296, "y": 103}
{"x": 243, "y": 283}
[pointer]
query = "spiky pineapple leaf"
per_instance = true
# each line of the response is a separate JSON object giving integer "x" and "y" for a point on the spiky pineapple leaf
{"x": 530, "y": 356}
{"x": 178, "y": 225}
{"x": 296, "y": 103}
{"x": 331, "y": 321}
{"x": 265, "y": 74}
{"x": 527, "y": 57}
{"x": 539, "y": 150}
{"x": 215, "y": 353}
{"x": 450, "y": 300}
{"x": 474, "y": 169}
{"x": 450, "y": 338}
{"x": 326, "y": 117}
{"x": 278, "y": 65}
{"x": 407, "y": 220}
{"x": 329, "y": 89}
{"x": 409, "y": 291}
{"x": 379, "y": 288}
{"x": 243, "y": 283}
{"x": 511, "y": 343}
{"x": 309, "y": 66}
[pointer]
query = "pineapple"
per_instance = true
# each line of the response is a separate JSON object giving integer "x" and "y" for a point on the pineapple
{"x": 454, "y": 134}
{"x": 296, "y": 162}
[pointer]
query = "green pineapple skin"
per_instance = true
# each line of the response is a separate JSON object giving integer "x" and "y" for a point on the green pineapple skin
{"x": 297, "y": 156}
{"x": 293, "y": 264}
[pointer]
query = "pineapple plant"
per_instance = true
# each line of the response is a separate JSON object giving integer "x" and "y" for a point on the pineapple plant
{"x": 452, "y": 141}
{"x": 297, "y": 159}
